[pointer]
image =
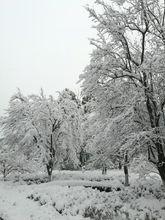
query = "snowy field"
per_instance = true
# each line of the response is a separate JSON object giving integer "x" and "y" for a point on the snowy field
{"x": 73, "y": 195}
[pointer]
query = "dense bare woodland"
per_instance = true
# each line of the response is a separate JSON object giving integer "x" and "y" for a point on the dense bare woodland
{"x": 102, "y": 155}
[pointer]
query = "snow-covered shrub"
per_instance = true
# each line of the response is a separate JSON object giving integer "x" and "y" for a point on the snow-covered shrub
{"x": 32, "y": 178}
{"x": 97, "y": 214}
{"x": 142, "y": 200}
{"x": 36, "y": 180}
{"x": 142, "y": 166}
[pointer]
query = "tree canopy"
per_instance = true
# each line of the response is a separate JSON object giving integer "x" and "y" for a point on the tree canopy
{"x": 126, "y": 76}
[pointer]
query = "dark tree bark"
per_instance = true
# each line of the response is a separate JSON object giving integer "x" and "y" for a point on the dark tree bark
{"x": 161, "y": 160}
{"x": 49, "y": 168}
{"x": 154, "y": 117}
{"x": 126, "y": 169}
{"x": 104, "y": 170}
{"x": 50, "y": 164}
{"x": 120, "y": 165}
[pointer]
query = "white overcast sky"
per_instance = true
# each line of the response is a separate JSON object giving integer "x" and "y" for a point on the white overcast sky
{"x": 43, "y": 43}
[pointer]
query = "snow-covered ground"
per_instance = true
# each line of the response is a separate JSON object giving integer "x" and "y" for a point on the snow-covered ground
{"x": 14, "y": 205}
{"x": 66, "y": 198}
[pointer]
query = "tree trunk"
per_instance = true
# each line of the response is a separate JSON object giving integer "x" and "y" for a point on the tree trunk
{"x": 104, "y": 169}
{"x": 126, "y": 169}
{"x": 161, "y": 160}
{"x": 120, "y": 165}
{"x": 161, "y": 169}
{"x": 83, "y": 169}
{"x": 126, "y": 175}
{"x": 154, "y": 116}
{"x": 156, "y": 156}
{"x": 49, "y": 168}
{"x": 50, "y": 164}
{"x": 4, "y": 176}
{"x": 49, "y": 177}
{"x": 4, "y": 172}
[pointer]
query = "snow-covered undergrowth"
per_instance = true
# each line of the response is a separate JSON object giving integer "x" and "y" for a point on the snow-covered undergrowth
{"x": 144, "y": 199}
{"x": 73, "y": 195}
{"x": 95, "y": 175}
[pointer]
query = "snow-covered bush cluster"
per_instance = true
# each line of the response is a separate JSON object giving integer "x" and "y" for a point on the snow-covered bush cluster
{"x": 142, "y": 200}
{"x": 31, "y": 179}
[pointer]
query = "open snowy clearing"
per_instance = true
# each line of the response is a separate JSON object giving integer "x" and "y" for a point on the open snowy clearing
{"x": 66, "y": 198}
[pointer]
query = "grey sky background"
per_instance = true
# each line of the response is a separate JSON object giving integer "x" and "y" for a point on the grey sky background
{"x": 43, "y": 43}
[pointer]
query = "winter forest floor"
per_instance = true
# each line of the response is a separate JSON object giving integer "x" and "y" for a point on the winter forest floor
{"x": 73, "y": 195}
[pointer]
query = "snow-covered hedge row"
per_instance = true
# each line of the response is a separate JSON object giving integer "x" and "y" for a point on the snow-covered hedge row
{"x": 91, "y": 175}
{"x": 30, "y": 178}
{"x": 41, "y": 177}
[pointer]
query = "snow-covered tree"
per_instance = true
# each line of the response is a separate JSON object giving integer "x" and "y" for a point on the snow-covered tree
{"x": 72, "y": 112}
{"x": 126, "y": 76}
{"x": 42, "y": 125}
